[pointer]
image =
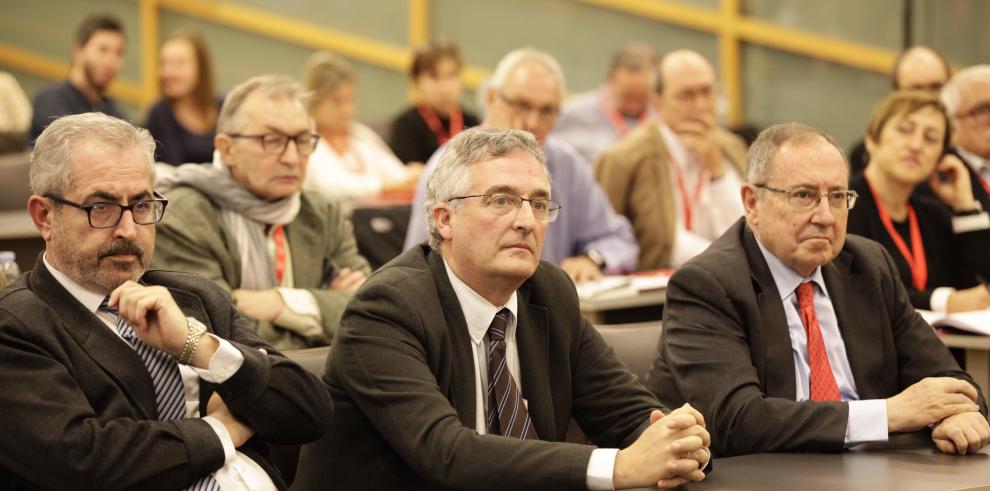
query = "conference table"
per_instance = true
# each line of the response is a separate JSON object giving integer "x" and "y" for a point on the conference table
{"x": 907, "y": 462}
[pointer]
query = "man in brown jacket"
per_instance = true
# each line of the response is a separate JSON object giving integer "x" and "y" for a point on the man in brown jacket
{"x": 677, "y": 178}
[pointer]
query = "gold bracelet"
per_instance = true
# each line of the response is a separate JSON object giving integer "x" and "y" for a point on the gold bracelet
{"x": 195, "y": 330}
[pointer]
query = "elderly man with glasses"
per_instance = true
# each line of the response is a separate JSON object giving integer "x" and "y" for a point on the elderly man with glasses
{"x": 120, "y": 377}
{"x": 967, "y": 100}
{"x": 789, "y": 335}
{"x": 287, "y": 256}
{"x": 460, "y": 364}
{"x": 525, "y": 93}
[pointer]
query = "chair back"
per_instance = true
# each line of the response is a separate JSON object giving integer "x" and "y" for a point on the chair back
{"x": 286, "y": 457}
{"x": 636, "y": 344}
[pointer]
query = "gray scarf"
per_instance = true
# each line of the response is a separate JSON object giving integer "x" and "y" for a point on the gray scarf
{"x": 245, "y": 214}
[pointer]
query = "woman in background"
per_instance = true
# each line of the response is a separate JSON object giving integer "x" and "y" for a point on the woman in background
{"x": 183, "y": 121}
{"x": 351, "y": 162}
{"x": 438, "y": 116}
{"x": 939, "y": 243}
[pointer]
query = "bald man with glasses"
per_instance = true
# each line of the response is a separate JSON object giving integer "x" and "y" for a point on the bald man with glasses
{"x": 788, "y": 335}
{"x": 288, "y": 257}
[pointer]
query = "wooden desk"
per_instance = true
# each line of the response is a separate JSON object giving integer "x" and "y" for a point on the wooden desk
{"x": 595, "y": 310}
{"x": 906, "y": 463}
{"x": 977, "y": 350}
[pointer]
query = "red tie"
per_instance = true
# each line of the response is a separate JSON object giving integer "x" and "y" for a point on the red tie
{"x": 823, "y": 386}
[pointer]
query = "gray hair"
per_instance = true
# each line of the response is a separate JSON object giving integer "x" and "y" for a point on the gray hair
{"x": 268, "y": 86}
{"x": 759, "y": 159}
{"x": 952, "y": 91}
{"x": 50, "y": 170}
{"x": 518, "y": 57}
{"x": 452, "y": 175}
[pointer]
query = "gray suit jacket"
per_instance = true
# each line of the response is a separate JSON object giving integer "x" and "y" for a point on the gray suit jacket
{"x": 403, "y": 381}
{"x": 726, "y": 347}
{"x": 79, "y": 405}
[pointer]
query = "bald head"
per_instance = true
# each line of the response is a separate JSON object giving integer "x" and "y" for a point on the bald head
{"x": 920, "y": 68}
{"x": 686, "y": 91}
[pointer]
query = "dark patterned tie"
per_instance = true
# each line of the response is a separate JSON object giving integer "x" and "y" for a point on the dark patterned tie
{"x": 507, "y": 414}
{"x": 169, "y": 392}
{"x": 822, "y": 381}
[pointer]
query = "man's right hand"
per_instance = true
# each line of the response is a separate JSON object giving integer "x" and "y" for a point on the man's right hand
{"x": 667, "y": 454}
{"x": 259, "y": 304}
{"x": 347, "y": 280}
{"x": 975, "y": 298}
{"x": 929, "y": 401}
{"x": 239, "y": 432}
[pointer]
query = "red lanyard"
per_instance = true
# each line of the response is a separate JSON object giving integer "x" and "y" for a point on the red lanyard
{"x": 431, "y": 119}
{"x": 278, "y": 235}
{"x": 915, "y": 257}
{"x": 686, "y": 199}
{"x": 614, "y": 117}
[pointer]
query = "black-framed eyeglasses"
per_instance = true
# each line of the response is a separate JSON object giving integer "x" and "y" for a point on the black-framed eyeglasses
{"x": 981, "y": 112}
{"x": 275, "y": 143}
{"x": 107, "y": 215}
{"x": 522, "y": 107}
{"x": 502, "y": 203}
{"x": 804, "y": 198}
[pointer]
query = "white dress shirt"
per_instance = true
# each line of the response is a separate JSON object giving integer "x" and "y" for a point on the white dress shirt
{"x": 239, "y": 472}
{"x": 867, "y": 419}
{"x": 479, "y": 313}
{"x": 717, "y": 207}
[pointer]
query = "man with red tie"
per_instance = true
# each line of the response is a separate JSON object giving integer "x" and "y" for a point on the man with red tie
{"x": 461, "y": 363}
{"x": 788, "y": 335}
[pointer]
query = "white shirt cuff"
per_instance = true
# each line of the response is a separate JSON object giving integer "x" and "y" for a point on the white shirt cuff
{"x": 968, "y": 223}
{"x": 600, "y": 469}
{"x": 867, "y": 422}
{"x": 229, "y": 452}
{"x": 939, "y": 301}
{"x": 224, "y": 363}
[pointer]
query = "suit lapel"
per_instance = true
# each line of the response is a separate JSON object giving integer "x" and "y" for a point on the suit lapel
{"x": 533, "y": 345}
{"x": 107, "y": 349}
{"x": 461, "y": 386}
{"x": 856, "y": 319}
{"x": 192, "y": 306}
{"x": 303, "y": 237}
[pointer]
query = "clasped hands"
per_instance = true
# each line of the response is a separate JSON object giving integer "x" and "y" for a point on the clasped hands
{"x": 672, "y": 451}
{"x": 950, "y": 404}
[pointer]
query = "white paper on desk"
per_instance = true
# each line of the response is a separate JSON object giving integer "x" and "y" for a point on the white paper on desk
{"x": 606, "y": 287}
{"x": 650, "y": 283}
{"x": 977, "y": 321}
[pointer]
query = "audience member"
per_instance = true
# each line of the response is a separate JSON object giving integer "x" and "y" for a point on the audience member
{"x": 967, "y": 100}
{"x": 350, "y": 162}
{"x": 525, "y": 93}
{"x": 595, "y": 120}
{"x": 412, "y": 361}
{"x": 676, "y": 179}
{"x": 916, "y": 68}
{"x": 119, "y": 377}
{"x": 789, "y": 335}
{"x": 287, "y": 256}
{"x": 15, "y": 114}
{"x": 184, "y": 121}
{"x": 97, "y": 56}
{"x": 438, "y": 115}
{"x": 938, "y": 243}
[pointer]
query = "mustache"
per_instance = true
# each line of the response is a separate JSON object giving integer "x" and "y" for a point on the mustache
{"x": 122, "y": 247}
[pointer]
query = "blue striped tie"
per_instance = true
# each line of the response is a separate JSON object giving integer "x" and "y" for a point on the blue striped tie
{"x": 507, "y": 414}
{"x": 170, "y": 397}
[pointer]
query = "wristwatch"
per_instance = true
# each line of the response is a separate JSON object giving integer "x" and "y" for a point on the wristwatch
{"x": 597, "y": 258}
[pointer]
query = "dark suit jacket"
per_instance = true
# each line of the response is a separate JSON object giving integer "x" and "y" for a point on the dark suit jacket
{"x": 403, "y": 381}
{"x": 726, "y": 347}
{"x": 79, "y": 405}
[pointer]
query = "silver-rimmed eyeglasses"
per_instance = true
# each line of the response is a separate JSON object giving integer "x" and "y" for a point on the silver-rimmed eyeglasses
{"x": 804, "y": 198}
{"x": 502, "y": 203}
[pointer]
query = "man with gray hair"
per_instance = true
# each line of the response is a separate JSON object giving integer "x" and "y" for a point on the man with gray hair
{"x": 967, "y": 99}
{"x": 595, "y": 120}
{"x": 120, "y": 377}
{"x": 288, "y": 256}
{"x": 525, "y": 93}
{"x": 791, "y": 336}
{"x": 460, "y": 364}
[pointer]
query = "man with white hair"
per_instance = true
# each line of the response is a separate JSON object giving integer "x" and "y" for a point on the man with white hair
{"x": 525, "y": 93}
{"x": 460, "y": 364}
{"x": 120, "y": 377}
{"x": 967, "y": 100}
{"x": 288, "y": 257}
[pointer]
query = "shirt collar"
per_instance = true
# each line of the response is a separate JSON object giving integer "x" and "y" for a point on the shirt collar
{"x": 478, "y": 312}
{"x": 786, "y": 279}
{"x": 975, "y": 162}
{"x": 673, "y": 143}
{"x": 87, "y": 298}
